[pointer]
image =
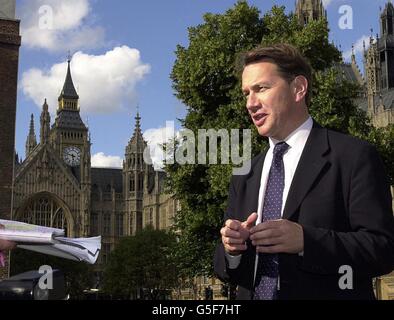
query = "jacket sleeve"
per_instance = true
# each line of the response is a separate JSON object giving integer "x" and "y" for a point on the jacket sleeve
{"x": 368, "y": 248}
{"x": 243, "y": 274}
{"x": 220, "y": 261}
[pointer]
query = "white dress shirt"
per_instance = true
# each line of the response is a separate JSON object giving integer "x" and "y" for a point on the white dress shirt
{"x": 296, "y": 141}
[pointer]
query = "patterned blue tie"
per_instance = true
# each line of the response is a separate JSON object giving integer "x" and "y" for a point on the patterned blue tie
{"x": 267, "y": 268}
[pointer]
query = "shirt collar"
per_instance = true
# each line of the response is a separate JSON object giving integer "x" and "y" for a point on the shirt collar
{"x": 298, "y": 136}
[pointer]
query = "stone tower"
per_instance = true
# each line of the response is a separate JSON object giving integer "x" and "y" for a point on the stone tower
{"x": 356, "y": 69}
{"x": 386, "y": 46}
{"x": 309, "y": 10}
{"x": 379, "y": 64}
{"x": 31, "y": 141}
{"x": 134, "y": 169}
{"x": 372, "y": 73}
{"x": 69, "y": 138}
{"x": 45, "y": 123}
{"x": 10, "y": 41}
{"x": 53, "y": 184}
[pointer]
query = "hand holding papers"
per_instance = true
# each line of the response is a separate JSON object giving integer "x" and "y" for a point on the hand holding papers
{"x": 50, "y": 241}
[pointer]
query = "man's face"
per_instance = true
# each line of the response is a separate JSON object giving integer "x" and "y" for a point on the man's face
{"x": 270, "y": 99}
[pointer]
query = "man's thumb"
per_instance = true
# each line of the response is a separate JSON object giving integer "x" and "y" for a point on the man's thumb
{"x": 250, "y": 221}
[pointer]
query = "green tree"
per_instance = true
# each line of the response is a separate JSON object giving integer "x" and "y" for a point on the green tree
{"x": 78, "y": 276}
{"x": 333, "y": 104}
{"x": 205, "y": 80}
{"x": 143, "y": 261}
{"x": 383, "y": 139}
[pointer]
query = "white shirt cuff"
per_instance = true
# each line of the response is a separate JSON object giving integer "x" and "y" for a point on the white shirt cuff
{"x": 233, "y": 261}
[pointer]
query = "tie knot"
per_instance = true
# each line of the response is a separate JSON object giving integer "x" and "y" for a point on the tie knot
{"x": 280, "y": 149}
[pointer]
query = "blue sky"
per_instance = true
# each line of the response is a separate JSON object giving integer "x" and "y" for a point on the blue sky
{"x": 123, "y": 55}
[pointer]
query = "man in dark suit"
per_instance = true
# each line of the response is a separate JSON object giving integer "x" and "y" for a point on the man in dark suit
{"x": 313, "y": 217}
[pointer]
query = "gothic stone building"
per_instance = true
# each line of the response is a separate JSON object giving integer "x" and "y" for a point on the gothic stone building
{"x": 379, "y": 71}
{"x": 377, "y": 84}
{"x": 56, "y": 186}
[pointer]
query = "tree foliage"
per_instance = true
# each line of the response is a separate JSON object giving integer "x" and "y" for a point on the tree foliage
{"x": 205, "y": 80}
{"x": 383, "y": 139}
{"x": 143, "y": 261}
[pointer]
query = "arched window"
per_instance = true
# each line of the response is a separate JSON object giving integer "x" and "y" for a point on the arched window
{"x": 140, "y": 182}
{"x": 94, "y": 226}
{"x": 45, "y": 211}
{"x": 95, "y": 193}
{"x": 150, "y": 221}
{"x": 119, "y": 225}
{"x": 107, "y": 224}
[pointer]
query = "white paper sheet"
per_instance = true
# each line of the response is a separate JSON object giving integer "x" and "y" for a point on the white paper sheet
{"x": 51, "y": 241}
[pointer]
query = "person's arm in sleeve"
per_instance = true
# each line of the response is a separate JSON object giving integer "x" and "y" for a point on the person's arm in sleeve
{"x": 235, "y": 244}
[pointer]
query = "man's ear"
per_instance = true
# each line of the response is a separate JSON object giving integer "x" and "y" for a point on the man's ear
{"x": 300, "y": 88}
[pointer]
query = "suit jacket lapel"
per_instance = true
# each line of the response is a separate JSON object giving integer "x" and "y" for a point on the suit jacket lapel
{"x": 310, "y": 165}
{"x": 253, "y": 186}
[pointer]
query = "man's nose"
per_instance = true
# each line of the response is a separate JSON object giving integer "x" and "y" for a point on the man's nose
{"x": 252, "y": 103}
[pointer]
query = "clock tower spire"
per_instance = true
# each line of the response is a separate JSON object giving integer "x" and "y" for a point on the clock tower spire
{"x": 68, "y": 98}
{"x": 70, "y": 139}
{"x": 69, "y": 129}
{"x": 69, "y": 136}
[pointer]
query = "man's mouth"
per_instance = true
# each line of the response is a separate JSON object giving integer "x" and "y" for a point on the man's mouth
{"x": 259, "y": 118}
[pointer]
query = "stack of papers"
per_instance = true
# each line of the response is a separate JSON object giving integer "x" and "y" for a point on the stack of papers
{"x": 50, "y": 241}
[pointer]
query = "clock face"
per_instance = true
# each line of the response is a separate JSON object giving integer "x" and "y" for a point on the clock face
{"x": 72, "y": 156}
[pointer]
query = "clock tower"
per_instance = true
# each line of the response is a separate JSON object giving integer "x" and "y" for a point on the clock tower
{"x": 69, "y": 137}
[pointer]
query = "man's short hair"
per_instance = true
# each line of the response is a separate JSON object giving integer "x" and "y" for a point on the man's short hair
{"x": 290, "y": 62}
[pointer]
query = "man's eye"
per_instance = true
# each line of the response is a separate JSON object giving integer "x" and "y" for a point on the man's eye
{"x": 263, "y": 88}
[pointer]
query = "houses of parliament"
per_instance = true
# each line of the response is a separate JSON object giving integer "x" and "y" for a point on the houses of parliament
{"x": 55, "y": 184}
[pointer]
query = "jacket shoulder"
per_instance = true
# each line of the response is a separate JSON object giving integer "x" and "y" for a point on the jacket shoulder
{"x": 346, "y": 143}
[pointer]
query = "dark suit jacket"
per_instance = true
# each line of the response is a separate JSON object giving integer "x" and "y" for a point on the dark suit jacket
{"x": 341, "y": 197}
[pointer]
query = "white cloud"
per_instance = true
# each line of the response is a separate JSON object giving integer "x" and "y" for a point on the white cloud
{"x": 59, "y": 25}
{"x": 358, "y": 47}
{"x": 326, "y": 3}
{"x": 101, "y": 160}
{"x": 155, "y": 138}
{"x": 105, "y": 83}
